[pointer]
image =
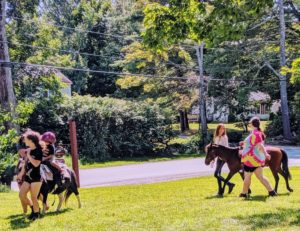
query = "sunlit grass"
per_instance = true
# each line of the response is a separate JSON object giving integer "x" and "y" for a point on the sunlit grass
{"x": 179, "y": 205}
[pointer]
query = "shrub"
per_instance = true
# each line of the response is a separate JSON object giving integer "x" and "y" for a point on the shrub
{"x": 4, "y": 188}
{"x": 235, "y": 137}
{"x": 113, "y": 128}
{"x": 232, "y": 118}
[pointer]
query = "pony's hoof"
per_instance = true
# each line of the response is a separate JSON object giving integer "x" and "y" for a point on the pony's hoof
{"x": 231, "y": 186}
{"x": 291, "y": 190}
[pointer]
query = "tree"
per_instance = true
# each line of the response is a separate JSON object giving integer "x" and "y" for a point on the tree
{"x": 7, "y": 97}
{"x": 213, "y": 22}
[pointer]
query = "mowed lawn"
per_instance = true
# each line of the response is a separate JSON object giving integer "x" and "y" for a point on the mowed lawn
{"x": 187, "y": 204}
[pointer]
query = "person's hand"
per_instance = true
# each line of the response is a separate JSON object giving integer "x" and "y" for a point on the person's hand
{"x": 19, "y": 178}
{"x": 268, "y": 157}
{"x": 28, "y": 150}
{"x": 241, "y": 143}
{"x": 22, "y": 152}
{"x": 240, "y": 152}
{"x": 46, "y": 151}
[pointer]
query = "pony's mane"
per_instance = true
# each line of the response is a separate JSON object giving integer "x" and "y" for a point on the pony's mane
{"x": 224, "y": 147}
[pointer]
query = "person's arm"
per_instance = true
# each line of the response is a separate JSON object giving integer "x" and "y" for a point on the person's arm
{"x": 226, "y": 143}
{"x": 21, "y": 173}
{"x": 263, "y": 150}
{"x": 34, "y": 162}
{"x": 47, "y": 157}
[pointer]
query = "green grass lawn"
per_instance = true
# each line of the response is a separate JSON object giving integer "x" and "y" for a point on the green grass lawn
{"x": 179, "y": 205}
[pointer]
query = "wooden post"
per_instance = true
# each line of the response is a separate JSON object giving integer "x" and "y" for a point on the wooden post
{"x": 74, "y": 150}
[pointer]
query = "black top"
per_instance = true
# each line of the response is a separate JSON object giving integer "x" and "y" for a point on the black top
{"x": 51, "y": 150}
{"x": 32, "y": 171}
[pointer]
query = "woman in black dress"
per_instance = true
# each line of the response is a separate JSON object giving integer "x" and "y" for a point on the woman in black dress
{"x": 32, "y": 176}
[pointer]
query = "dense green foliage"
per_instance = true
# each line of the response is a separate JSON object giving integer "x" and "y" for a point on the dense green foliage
{"x": 112, "y": 128}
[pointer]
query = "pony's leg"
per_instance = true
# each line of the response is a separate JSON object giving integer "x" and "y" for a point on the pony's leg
{"x": 230, "y": 175}
{"x": 61, "y": 199}
{"x": 41, "y": 198}
{"x": 276, "y": 177}
{"x": 286, "y": 180}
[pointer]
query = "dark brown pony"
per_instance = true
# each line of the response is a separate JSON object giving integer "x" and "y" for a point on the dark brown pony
{"x": 277, "y": 164}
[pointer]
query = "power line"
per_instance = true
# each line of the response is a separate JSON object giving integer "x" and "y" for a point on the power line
{"x": 55, "y": 49}
{"x": 94, "y": 55}
{"x": 71, "y": 28}
{"x": 90, "y": 70}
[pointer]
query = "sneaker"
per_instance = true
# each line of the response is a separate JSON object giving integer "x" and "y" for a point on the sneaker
{"x": 35, "y": 216}
{"x": 244, "y": 195}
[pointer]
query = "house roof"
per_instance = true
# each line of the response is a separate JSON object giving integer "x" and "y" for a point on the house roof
{"x": 258, "y": 96}
{"x": 63, "y": 78}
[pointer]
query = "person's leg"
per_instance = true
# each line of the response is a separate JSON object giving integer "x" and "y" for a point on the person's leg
{"x": 247, "y": 182}
{"x": 259, "y": 174}
{"x": 34, "y": 190}
{"x": 25, "y": 187}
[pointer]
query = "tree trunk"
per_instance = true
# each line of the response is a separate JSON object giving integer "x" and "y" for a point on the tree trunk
{"x": 202, "y": 106}
{"x": 7, "y": 97}
{"x": 182, "y": 124}
{"x": 283, "y": 79}
{"x": 186, "y": 120}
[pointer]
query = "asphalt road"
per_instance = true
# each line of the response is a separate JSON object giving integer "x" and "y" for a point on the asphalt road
{"x": 158, "y": 171}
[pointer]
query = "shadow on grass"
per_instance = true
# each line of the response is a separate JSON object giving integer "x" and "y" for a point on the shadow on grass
{"x": 214, "y": 197}
{"x": 280, "y": 216}
{"x": 19, "y": 221}
{"x": 54, "y": 213}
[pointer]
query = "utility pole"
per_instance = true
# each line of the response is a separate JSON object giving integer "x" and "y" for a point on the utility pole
{"x": 202, "y": 106}
{"x": 7, "y": 97}
{"x": 283, "y": 79}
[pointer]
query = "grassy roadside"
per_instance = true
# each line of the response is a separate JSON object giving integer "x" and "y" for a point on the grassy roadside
{"x": 179, "y": 139}
{"x": 187, "y": 204}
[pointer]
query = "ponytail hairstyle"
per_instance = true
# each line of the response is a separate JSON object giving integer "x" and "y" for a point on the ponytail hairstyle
{"x": 255, "y": 121}
{"x": 217, "y": 131}
{"x": 34, "y": 137}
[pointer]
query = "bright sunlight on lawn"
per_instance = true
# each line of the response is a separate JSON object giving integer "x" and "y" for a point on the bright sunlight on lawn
{"x": 179, "y": 205}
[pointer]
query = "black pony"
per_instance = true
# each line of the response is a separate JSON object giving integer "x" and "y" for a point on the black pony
{"x": 68, "y": 185}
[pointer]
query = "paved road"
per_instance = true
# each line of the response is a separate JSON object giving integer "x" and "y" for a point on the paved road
{"x": 158, "y": 172}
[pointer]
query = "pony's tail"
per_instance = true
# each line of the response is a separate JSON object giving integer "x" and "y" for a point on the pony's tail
{"x": 72, "y": 188}
{"x": 285, "y": 165}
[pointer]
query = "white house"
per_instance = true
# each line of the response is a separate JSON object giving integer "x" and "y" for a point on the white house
{"x": 67, "y": 82}
{"x": 261, "y": 105}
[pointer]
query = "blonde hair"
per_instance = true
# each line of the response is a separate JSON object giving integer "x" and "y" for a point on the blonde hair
{"x": 217, "y": 131}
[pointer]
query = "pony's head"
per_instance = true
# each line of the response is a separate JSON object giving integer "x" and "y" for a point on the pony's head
{"x": 211, "y": 153}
